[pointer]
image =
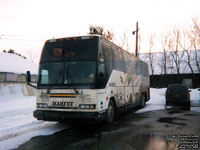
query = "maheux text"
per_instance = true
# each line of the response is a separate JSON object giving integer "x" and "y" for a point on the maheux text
{"x": 62, "y": 104}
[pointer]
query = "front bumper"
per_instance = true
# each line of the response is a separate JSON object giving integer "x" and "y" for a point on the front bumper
{"x": 185, "y": 103}
{"x": 70, "y": 116}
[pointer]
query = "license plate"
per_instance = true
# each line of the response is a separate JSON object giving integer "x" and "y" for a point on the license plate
{"x": 177, "y": 95}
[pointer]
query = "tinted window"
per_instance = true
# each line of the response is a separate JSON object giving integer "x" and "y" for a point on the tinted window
{"x": 177, "y": 88}
{"x": 71, "y": 49}
{"x": 81, "y": 49}
{"x": 126, "y": 62}
{"x": 137, "y": 68}
{"x": 52, "y": 52}
{"x": 107, "y": 52}
{"x": 144, "y": 69}
{"x": 117, "y": 59}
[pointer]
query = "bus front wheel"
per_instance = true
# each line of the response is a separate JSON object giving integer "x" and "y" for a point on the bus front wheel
{"x": 110, "y": 113}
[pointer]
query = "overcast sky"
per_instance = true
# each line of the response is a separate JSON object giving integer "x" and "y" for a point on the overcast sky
{"x": 25, "y": 24}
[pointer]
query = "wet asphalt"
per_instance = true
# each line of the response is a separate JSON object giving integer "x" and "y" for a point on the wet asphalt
{"x": 168, "y": 129}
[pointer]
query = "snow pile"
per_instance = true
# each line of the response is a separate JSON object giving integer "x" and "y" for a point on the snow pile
{"x": 195, "y": 94}
{"x": 16, "y": 64}
{"x": 156, "y": 102}
{"x": 15, "y": 90}
{"x": 17, "y": 124}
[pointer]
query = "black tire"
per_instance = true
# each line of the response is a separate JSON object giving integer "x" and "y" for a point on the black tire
{"x": 143, "y": 102}
{"x": 187, "y": 105}
{"x": 110, "y": 113}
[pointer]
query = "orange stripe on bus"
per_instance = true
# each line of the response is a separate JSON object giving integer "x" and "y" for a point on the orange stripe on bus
{"x": 64, "y": 95}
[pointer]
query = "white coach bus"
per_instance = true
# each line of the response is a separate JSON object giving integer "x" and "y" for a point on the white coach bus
{"x": 88, "y": 78}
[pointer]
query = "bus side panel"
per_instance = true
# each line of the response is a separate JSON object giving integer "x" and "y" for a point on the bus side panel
{"x": 128, "y": 88}
{"x": 125, "y": 92}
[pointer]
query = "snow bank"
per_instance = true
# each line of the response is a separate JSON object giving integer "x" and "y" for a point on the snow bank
{"x": 16, "y": 64}
{"x": 15, "y": 90}
{"x": 156, "y": 102}
{"x": 195, "y": 95}
{"x": 17, "y": 124}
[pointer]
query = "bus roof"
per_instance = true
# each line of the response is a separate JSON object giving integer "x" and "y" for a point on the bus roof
{"x": 73, "y": 38}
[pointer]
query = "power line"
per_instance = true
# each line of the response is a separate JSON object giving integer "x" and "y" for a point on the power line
{"x": 22, "y": 39}
{"x": 26, "y": 35}
{"x": 36, "y": 38}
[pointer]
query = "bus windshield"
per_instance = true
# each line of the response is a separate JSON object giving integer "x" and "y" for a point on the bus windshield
{"x": 66, "y": 62}
{"x": 73, "y": 73}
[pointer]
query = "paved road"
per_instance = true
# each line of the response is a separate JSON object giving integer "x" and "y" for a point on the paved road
{"x": 169, "y": 129}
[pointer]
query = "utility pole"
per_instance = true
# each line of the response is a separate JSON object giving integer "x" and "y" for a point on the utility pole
{"x": 136, "y": 40}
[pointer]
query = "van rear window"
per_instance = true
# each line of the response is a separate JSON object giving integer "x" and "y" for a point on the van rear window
{"x": 177, "y": 88}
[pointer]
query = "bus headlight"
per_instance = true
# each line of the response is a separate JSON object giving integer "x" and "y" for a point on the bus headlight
{"x": 42, "y": 105}
{"x": 87, "y": 106}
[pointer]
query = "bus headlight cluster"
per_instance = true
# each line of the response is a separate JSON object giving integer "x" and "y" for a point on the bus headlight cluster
{"x": 42, "y": 105}
{"x": 87, "y": 106}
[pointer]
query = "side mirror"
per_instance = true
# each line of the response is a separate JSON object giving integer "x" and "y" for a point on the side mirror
{"x": 28, "y": 76}
{"x": 28, "y": 79}
{"x": 189, "y": 90}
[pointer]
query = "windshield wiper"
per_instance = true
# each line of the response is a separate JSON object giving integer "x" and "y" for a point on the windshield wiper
{"x": 75, "y": 90}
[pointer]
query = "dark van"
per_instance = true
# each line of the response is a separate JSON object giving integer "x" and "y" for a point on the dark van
{"x": 178, "y": 94}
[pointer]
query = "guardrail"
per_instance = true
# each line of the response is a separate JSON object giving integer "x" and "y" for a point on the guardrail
{"x": 13, "y": 77}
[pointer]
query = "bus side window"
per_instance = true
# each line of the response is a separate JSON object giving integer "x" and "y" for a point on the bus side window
{"x": 117, "y": 58}
{"x": 137, "y": 68}
{"x": 144, "y": 68}
{"x": 126, "y": 62}
{"x": 107, "y": 53}
{"x": 101, "y": 73}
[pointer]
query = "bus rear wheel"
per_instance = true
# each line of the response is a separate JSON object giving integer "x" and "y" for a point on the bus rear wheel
{"x": 143, "y": 102}
{"x": 110, "y": 113}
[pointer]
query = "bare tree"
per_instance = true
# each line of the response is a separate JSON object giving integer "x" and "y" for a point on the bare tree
{"x": 195, "y": 41}
{"x": 123, "y": 42}
{"x": 174, "y": 48}
{"x": 150, "y": 54}
{"x": 186, "y": 45}
{"x": 164, "y": 59}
